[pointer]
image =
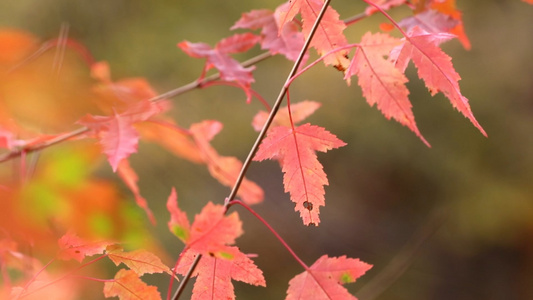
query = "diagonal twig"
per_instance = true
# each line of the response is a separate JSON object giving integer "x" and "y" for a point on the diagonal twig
{"x": 267, "y": 124}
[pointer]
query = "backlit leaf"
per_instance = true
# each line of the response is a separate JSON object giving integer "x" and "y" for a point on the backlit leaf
{"x": 434, "y": 67}
{"x": 381, "y": 82}
{"x": 304, "y": 177}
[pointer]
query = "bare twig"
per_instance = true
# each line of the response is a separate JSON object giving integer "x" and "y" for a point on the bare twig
{"x": 276, "y": 105}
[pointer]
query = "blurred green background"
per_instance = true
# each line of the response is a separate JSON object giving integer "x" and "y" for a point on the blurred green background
{"x": 465, "y": 205}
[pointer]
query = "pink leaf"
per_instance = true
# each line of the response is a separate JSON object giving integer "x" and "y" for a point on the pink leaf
{"x": 218, "y": 57}
{"x": 119, "y": 140}
{"x": 381, "y": 82}
{"x": 116, "y": 133}
{"x": 210, "y": 235}
{"x": 304, "y": 177}
{"x": 212, "y": 230}
{"x": 288, "y": 42}
{"x": 434, "y": 67}
{"x": 431, "y": 21}
{"x": 237, "y": 43}
{"x": 329, "y": 35}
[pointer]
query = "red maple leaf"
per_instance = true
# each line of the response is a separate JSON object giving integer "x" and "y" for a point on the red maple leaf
{"x": 381, "y": 82}
{"x": 211, "y": 235}
{"x": 218, "y": 57}
{"x": 329, "y": 35}
{"x": 128, "y": 286}
{"x": 304, "y": 177}
{"x": 434, "y": 67}
{"x": 211, "y": 230}
{"x": 324, "y": 279}
{"x": 287, "y": 41}
{"x": 225, "y": 169}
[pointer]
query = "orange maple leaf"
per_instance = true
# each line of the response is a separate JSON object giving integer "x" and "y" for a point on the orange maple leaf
{"x": 128, "y": 286}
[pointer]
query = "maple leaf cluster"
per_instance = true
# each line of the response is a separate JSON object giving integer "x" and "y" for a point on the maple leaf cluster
{"x": 212, "y": 235}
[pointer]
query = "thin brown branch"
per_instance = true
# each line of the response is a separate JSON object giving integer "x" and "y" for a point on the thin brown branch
{"x": 267, "y": 124}
{"x": 199, "y": 83}
{"x": 276, "y": 105}
{"x": 58, "y": 139}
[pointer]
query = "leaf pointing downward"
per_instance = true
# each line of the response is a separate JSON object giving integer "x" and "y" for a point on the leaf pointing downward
{"x": 434, "y": 67}
{"x": 303, "y": 176}
{"x": 382, "y": 84}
